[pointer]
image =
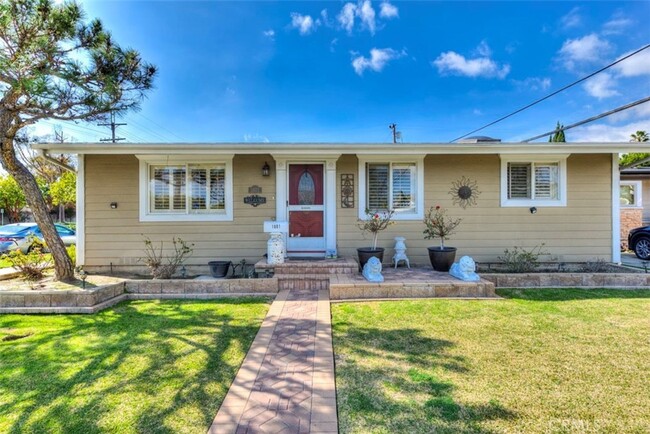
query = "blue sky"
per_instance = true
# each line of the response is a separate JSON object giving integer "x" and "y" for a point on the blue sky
{"x": 343, "y": 71}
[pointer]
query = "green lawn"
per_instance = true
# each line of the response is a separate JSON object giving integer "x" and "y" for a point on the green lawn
{"x": 541, "y": 361}
{"x": 140, "y": 367}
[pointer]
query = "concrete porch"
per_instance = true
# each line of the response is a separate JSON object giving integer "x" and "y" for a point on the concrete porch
{"x": 344, "y": 282}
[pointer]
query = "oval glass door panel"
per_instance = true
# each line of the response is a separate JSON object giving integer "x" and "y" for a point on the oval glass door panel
{"x": 306, "y": 189}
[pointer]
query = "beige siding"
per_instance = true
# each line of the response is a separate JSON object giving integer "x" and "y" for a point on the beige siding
{"x": 115, "y": 236}
{"x": 581, "y": 231}
{"x": 578, "y": 232}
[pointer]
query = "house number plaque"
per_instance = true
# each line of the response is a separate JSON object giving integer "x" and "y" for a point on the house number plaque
{"x": 254, "y": 200}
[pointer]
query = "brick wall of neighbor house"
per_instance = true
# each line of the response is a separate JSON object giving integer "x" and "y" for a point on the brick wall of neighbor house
{"x": 630, "y": 218}
{"x": 580, "y": 231}
{"x": 115, "y": 235}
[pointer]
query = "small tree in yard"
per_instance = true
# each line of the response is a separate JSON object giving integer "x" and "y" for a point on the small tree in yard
{"x": 12, "y": 199}
{"x": 64, "y": 191}
{"x": 53, "y": 65}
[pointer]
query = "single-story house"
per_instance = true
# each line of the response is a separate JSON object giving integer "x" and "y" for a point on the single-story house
{"x": 218, "y": 195}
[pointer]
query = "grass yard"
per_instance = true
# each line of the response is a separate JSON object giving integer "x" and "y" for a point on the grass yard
{"x": 541, "y": 361}
{"x": 140, "y": 367}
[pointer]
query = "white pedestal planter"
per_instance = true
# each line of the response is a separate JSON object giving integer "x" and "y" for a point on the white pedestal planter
{"x": 400, "y": 252}
{"x": 275, "y": 249}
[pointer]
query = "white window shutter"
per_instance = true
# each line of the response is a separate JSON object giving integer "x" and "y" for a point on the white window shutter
{"x": 519, "y": 180}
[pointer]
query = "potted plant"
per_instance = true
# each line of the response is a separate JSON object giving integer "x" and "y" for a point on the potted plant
{"x": 374, "y": 223}
{"x": 440, "y": 225}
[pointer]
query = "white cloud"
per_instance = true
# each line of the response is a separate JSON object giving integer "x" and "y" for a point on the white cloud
{"x": 346, "y": 16}
{"x": 483, "y": 49}
{"x": 388, "y": 11}
{"x": 304, "y": 23}
{"x": 477, "y": 112}
{"x": 367, "y": 15}
{"x": 333, "y": 43}
{"x": 533, "y": 83}
{"x": 256, "y": 138}
{"x": 601, "y": 86}
{"x": 607, "y": 133}
{"x": 588, "y": 49}
{"x": 379, "y": 58}
{"x": 571, "y": 19}
{"x": 456, "y": 64}
{"x": 269, "y": 33}
{"x": 634, "y": 66}
{"x": 617, "y": 25}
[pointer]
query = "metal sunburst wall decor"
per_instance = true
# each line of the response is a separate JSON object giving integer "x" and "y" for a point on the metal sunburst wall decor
{"x": 464, "y": 192}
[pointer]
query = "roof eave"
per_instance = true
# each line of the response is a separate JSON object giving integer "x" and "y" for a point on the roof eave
{"x": 342, "y": 148}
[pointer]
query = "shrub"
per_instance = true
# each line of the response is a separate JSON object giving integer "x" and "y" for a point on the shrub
{"x": 520, "y": 260}
{"x": 72, "y": 252}
{"x": 31, "y": 265}
{"x": 598, "y": 265}
{"x": 161, "y": 266}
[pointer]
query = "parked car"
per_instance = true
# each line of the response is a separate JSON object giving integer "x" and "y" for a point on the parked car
{"x": 20, "y": 236}
{"x": 639, "y": 240}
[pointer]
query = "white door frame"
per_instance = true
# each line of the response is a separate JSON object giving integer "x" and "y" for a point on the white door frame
{"x": 329, "y": 191}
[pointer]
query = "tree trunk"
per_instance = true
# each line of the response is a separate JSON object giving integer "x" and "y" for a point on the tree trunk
{"x": 63, "y": 267}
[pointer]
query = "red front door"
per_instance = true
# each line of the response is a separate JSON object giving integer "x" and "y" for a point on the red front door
{"x": 306, "y": 210}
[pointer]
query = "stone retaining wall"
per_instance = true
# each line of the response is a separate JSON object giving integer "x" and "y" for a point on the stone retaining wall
{"x": 569, "y": 280}
{"x": 348, "y": 290}
{"x": 96, "y": 299}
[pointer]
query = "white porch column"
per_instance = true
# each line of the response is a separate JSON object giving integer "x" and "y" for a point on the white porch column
{"x": 280, "y": 189}
{"x": 330, "y": 204}
{"x": 616, "y": 211}
{"x": 81, "y": 210}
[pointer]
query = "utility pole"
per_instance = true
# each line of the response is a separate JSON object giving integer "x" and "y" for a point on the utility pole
{"x": 396, "y": 134}
{"x": 113, "y": 125}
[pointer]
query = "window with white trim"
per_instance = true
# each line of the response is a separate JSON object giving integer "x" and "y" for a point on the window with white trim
{"x": 533, "y": 181}
{"x": 177, "y": 190}
{"x": 396, "y": 185}
{"x": 630, "y": 194}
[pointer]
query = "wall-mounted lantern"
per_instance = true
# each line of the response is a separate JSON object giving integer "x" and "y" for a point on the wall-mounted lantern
{"x": 266, "y": 170}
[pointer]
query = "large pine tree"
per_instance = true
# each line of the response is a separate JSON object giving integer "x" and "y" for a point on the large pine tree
{"x": 54, "y": 65}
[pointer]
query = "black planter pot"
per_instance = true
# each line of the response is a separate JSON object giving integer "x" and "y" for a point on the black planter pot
{"x": 219, "y": 268}
{"x": 442, "y": 258}
{"x": 365, "y": 253}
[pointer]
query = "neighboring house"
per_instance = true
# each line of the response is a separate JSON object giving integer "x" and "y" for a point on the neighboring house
{"x": 635, "y": 200}
{"x": 565, "y": 195}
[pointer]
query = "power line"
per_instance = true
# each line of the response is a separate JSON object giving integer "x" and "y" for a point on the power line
{"x": 160, "y": 126}
{"x": 151, "y": 132}
{"x": 591, "y": 119}
{"x": 554, "y": 93}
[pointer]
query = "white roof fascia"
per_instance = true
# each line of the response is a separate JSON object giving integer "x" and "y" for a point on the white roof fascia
{"x": 323, "y": 149}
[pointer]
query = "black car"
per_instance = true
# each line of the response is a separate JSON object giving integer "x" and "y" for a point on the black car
{"x": 639, "y": 240}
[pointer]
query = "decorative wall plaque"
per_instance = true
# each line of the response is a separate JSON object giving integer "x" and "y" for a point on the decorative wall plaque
{"x": 464, "y": 192}
{"x": 254, "y": 189}
{"x": 254, "y": 200}
{"x": 347, "y": 190}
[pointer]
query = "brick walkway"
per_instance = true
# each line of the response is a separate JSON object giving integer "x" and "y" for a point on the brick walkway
{"x": 286, "y": 382}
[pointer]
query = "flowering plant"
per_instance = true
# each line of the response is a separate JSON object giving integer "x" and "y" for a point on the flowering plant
{"x": 439, "y": 224}
{"x": 376, "y": 222}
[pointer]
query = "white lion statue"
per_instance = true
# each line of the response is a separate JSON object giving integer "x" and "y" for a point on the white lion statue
{"x": 465, "y": 269}
{"x": 372, "y": 270}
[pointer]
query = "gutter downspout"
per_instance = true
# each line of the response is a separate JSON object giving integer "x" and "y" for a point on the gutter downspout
{"x": 42, "y": 153}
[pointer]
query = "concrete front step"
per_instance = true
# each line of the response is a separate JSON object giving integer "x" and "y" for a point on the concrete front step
{"x": 310, "y": 267}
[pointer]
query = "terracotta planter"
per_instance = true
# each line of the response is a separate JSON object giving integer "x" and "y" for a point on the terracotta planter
{"x": 442, "y": 257}
{"x": 365, "y": 253}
